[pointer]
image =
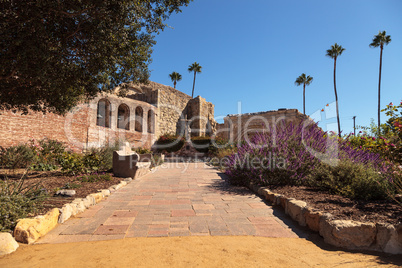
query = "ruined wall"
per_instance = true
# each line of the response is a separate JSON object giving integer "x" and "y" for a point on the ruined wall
{"x": 238, "y": 127}
{"x": 78, "y": 128}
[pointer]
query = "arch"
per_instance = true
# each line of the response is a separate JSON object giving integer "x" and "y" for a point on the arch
{"x": 150, "y": 121}
{"x": 138, "y": 118}
{"x": 123, "y": 117}
{"x": 103, "y": 114}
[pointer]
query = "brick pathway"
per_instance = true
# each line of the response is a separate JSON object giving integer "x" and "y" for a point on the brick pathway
{"x": 179, "y": 199}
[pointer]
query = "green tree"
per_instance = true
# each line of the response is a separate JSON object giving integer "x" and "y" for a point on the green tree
{"x": 175, "y": 77}
{"x": 380, "y": 40}
{"x": 305, "y": 80}
{"x": 54, "y": 53}
{"x": 196, "y": 68}
{"x": 335, "y": 51}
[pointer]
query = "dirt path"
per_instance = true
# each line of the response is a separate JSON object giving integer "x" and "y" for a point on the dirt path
{"x": 208, "y": 251}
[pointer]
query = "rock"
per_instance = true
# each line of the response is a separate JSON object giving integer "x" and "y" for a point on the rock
{"x": 271, "y": 197}
{"x": 105, "y": 193}
{"x": 312, "y": 218}
{"x": 65, "y": 213}
{"x": 29, "y": 230}
{"x": 283, "y": 201}
{"x": 79, "y": 205}
{"x": 294, "y": 209}
{"x": 98, "y": 197}
{"x": 128, "y": 179}
{"x": 68, "y": 193}
{"x": 348, "y": 234}
{"x": 263, "y": 191}
{"x": 7, "y": 244}
{"x": 387, "y": 239}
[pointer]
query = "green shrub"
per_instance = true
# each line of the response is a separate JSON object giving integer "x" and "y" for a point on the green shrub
{"x": 353, "y": 180}
{"x": 141, "y": 150}
{"x": 169, "y": 142}
{"x": 20, "y": 156}
{"x": 72, "y": 163}
{"x": 18, "y": 201}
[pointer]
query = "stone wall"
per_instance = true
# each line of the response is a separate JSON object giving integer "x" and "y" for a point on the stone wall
{"x": 238, "y": 127}
{"x": 175, "y": 108}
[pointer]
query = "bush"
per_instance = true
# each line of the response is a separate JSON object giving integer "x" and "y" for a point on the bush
{"x": 20, "y": 156}
{"x": 72, "y": 163}
{"x": 18, "y": 201}
{"x": 353, "y": 180}
{"x": 201, "y": 144}
{"x": 141, "y": 150}
{"x": 169, "y": 142}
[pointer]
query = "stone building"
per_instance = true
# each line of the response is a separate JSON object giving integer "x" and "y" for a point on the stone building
{"x": 237, "y": 127}
{"x": 147, "y": 112}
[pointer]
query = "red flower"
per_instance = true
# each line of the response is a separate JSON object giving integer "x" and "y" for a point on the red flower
{"x": 373, "y": 139}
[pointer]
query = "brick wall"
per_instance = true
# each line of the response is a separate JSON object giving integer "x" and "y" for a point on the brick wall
{"x": 78, "y": 128}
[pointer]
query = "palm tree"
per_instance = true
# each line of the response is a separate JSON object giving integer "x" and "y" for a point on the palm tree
{"x": 175, "y": 77}
{"x": 305, "y": 80}
{"x": 196, "y": 68}
{"x": 380, "y": 40}
{"x": 335, "y": 51}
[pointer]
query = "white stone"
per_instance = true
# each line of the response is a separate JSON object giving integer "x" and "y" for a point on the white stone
{"x": 294, "y": 209}
{"x": 7, "y": 244}
{"x": 65, "y": 213}
{"x": 66, "y": 192}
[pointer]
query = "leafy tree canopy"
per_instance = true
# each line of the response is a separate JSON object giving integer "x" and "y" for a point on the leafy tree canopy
{"x": 56, "y": 52}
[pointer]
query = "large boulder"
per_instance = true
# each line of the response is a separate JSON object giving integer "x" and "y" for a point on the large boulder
{"x": 7, "y": 244}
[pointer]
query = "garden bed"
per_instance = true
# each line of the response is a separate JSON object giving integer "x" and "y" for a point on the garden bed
{"x": 53, "y": 181}
{"x": 343, "y": 208}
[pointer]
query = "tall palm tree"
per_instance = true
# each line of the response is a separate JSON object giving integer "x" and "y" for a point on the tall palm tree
{"x": 196, "y": 68}
{"x": 380, "y": 40}
{"x": 305, "y": 80}
{"x": 175, "y": 77}
{"x": 335, "y": 51}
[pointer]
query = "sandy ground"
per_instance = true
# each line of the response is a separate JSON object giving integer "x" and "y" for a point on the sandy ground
{"x": 206, "y": 251}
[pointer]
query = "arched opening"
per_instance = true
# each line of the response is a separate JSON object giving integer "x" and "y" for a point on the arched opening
{"x": 123, "y": 117}
{"x": 103, "y": 113}
{"x": 150, "y": 121}
{"x": 138, "y": 119}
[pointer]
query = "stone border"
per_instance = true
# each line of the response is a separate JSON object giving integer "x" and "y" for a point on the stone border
{"x": 29, "y": 230}
{"x": 348, "y": 234}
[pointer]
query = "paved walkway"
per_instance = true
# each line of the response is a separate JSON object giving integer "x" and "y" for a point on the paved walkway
{"x": 179, "y": 199}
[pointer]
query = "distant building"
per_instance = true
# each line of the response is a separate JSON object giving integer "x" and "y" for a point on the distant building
{"x": 147, "y": 112}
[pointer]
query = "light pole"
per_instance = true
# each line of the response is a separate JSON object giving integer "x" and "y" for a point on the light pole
{"x": 354, "y": 125}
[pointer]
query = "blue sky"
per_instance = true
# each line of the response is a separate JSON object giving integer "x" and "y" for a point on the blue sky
{"x": 253, "y": 51}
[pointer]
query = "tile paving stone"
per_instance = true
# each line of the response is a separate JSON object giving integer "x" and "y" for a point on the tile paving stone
{"x": 111, "y": 229}
{"x": 180, "y": 200}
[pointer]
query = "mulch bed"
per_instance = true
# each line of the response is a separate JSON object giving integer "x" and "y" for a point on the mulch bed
{"x": 344, "y": 208}
{"x": 53, "y": 181}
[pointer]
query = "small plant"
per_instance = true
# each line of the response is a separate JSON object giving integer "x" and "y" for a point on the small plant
{"x": 20, "y": 156}
{"x": 141, "y": 150}
{"x": 18, "y": 200}
{"x": 169, "y": 142}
